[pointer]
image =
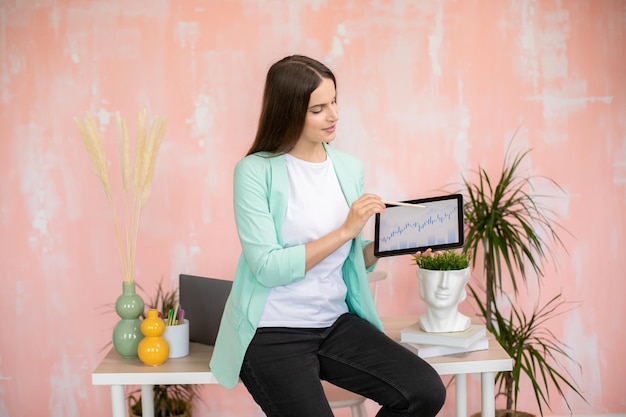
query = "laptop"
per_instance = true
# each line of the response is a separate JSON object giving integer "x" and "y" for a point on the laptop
{"x": 203, "y": 300}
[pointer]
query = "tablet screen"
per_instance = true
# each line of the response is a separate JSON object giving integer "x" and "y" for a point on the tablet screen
{"x": 434, "y": 222}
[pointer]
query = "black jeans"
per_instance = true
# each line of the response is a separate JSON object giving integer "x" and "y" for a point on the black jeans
{"x": 283, "y": 367}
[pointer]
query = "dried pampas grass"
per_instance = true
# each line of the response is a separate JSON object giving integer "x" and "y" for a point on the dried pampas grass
{"x": 136, "y": 178}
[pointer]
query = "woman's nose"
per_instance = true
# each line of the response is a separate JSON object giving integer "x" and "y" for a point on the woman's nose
{"x": 333, "y": 114}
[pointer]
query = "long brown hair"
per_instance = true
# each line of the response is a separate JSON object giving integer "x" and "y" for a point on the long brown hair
{"x": 288, "y": 89}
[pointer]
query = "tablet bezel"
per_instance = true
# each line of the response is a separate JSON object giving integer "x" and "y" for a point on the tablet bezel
{"x": 423, "y": 201}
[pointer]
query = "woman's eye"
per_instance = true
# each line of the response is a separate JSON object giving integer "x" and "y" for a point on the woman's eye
{"x": 316, "y": 110}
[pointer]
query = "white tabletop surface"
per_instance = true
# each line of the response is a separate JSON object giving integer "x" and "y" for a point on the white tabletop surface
{"x": 191, "y": 369}
{"x": 194, "y": 368}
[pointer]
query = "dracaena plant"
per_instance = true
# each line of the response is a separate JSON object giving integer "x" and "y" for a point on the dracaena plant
{"x": 509, "y": 226}
{"x": 511, "y": 233}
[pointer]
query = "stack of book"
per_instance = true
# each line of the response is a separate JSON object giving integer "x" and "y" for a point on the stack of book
{"x": 428, "y": 344}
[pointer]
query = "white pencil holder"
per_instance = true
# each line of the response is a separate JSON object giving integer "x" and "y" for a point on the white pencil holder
{"x": 177, "y": 337}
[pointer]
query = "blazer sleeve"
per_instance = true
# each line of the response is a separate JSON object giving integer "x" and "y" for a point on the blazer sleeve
{"x": 257, "y": 227}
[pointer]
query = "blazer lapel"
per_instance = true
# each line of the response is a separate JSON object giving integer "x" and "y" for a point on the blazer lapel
{"x": 345, "y": 175}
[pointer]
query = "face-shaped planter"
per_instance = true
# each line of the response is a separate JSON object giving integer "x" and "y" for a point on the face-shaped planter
{"x": 443, "y": 291}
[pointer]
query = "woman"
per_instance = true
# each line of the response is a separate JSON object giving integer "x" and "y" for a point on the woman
{"x": 301, "y": 309}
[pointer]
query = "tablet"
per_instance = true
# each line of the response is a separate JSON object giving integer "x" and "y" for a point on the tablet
{"x": 434, "y": 222}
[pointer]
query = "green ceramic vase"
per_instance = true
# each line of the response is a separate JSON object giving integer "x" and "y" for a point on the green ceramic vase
{"x": 127, "y": 332}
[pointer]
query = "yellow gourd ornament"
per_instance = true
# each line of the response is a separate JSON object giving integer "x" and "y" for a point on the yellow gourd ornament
{"x": 153, "y": 349}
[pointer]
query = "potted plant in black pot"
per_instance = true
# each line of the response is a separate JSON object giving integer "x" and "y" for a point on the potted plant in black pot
{"x": 169, "y": 401}
{"x": 509, "y": 231}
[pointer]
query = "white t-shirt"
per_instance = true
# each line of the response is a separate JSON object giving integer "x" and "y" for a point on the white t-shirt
{"x": 316, "y": 206}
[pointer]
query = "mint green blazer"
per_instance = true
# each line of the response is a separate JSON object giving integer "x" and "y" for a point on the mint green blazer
{"x": 260, "y": 204}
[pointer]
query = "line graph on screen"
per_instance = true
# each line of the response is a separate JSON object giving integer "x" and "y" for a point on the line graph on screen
{"x": 406, "y": 227}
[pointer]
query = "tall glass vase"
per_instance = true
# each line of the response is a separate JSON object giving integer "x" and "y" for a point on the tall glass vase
{"x": 127, "y": 332}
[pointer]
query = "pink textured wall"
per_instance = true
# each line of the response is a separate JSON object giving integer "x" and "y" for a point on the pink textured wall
{"x": 427, "y": 91}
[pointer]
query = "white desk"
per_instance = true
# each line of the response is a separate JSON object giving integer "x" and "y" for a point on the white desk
{"x": 194, "y": 369}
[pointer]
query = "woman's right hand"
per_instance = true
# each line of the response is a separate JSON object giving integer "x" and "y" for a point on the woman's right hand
{"x": 360, "y": 212}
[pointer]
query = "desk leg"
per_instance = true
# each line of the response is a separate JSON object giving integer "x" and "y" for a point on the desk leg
{"x": 461, "y": 395}
{"x": 487, "y": 382}
{"x": 117, "y": 401}
{"x": 147, "y": 401}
